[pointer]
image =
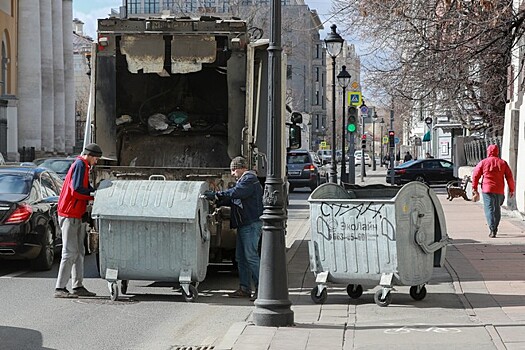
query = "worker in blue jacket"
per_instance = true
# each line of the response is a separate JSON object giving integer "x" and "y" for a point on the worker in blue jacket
{"x": 245, "y": 201}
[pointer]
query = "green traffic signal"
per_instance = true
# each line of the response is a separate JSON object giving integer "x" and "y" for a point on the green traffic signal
{"x": 352, "y": 119}
{"x": 351, "y": 127}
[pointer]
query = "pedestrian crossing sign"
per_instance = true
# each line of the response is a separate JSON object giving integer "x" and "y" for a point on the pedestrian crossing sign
{"x": 354, "y": 98}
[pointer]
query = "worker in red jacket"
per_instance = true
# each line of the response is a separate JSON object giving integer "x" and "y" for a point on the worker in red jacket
{"x": 74, "y": 197}
{"x": 494, "y": 171}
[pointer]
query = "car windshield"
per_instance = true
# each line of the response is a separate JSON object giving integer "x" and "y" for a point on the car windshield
{"x": 12, "y": 183}
{"x": 60, "y": 166}
{"x": 297, "y": 159}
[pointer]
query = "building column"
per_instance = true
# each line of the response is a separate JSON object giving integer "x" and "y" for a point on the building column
{"x": 58, "y": 75}
{"x": 47, "y": 108}
{"x": 69, "y": 75}
{"x": 29, "y": 75}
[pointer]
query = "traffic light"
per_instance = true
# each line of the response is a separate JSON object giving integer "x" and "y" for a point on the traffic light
{"x": 363, "y": 141}
{"x": 352, "y": 119}
{"x": 391, "y": 138}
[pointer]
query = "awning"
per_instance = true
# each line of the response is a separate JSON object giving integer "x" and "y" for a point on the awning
{"x": 426, "y": 137}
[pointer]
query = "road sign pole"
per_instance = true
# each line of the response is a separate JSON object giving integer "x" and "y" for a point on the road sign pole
{"x": 391, "y": 149}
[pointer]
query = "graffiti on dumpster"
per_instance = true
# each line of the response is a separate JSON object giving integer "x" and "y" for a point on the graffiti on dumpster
{"x": 331, "y": 222}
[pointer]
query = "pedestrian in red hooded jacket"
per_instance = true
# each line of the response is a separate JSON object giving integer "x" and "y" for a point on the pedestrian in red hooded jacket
{"x": 74, "y": 197}
{"x": 494, "y": 171}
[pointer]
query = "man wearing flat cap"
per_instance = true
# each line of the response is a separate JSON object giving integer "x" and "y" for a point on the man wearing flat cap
{"x": 74, "y": 197}
{"x": 245, "y": 201}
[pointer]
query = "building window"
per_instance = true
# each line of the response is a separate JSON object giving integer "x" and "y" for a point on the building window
{"x": 317, "y": 122}
{"x": 318, "y": 50}
{"x": 289, "y": 71}
{"x": 189, "y": 6}
{"x": 133, "y": 6}
{"x": 263, "y": 2}
{"x": 317, "y": 73}
{"x": 169, "y": 5}
{"x": 3, "y": 71}
{"x": 151, "y": 6}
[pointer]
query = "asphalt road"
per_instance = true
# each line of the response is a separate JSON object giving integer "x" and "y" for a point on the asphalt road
{"x": 154, "y": 316}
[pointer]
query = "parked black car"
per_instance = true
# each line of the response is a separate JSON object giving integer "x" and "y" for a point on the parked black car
{"x": 59, "y": 165}
{"x": 301, "y": 170}
{"x": 429, "y": 171}
{"x": 29, "y": 227}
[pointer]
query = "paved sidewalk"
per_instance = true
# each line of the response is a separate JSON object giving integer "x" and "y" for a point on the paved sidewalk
{"x": 477, "y": 301}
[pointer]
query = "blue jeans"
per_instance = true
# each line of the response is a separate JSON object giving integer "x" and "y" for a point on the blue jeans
{"x": 492, "y": 203}
{"x": 247, "y": 256}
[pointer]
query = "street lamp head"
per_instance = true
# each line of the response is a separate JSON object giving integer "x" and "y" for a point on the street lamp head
{"x": 374, "y": 117}
{"x": 382, "y": 122}
{"x": 343, "y": 78}
{"x": 334, "y": 42}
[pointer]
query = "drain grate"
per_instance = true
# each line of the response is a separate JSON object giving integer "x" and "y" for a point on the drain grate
{"x": 193, "y": 347}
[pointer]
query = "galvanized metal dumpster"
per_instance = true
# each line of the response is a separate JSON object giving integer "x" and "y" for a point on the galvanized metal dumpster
{"x": 152, "y": 230}
{"x": 375, "y": 235}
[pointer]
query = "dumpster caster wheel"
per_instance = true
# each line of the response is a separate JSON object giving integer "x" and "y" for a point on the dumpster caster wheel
{"x": 382, "y": 302}
{"x": 124, "y": 287}
{"x": 193, "y": 293}
{"x": 418, "y": 295}
{"x": 114, "y": 291}
{"x": 319, "y": 299}
{"x": 354, "y": 291}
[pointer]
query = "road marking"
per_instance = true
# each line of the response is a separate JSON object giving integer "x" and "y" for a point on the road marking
{"x": 15, "y": 274}
{"x": 404, "y": 330}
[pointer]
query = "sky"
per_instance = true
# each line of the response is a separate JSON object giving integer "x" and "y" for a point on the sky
{"x": 88, "y": 11}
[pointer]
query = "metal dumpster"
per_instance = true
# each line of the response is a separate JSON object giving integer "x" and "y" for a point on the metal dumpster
{"x": 375, "y": 235}
{"x": 152, "y": 230}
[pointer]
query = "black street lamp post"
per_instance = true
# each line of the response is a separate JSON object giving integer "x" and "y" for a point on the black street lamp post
{"x": 343, "y": 78}
{"x": 382, "y": 123}
{"x": 334, "y": 44}
{"x": 374, "y": 119}
{"x": 273, "y": 307}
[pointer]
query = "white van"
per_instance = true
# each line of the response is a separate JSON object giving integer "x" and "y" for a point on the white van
{"x": 325, "y": 155}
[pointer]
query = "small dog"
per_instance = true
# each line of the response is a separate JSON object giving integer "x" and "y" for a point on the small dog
{"x": 458, "y": 188}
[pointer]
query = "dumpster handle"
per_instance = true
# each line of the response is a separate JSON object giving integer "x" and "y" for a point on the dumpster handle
{"x": 419, "y": 237}
{"x": 204, "y": 236}
{"x": 157, "y": 177}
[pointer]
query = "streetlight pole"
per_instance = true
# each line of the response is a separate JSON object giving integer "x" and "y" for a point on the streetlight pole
{"x": 343, "y": 78}
{"x": 334, "y": 44}
{"x": 374, "y": 119}
{"x": 273, "y": 307}
{"x": 382, "y": 123}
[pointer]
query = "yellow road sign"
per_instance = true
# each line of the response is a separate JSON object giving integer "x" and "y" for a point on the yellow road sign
{"x": 354, "y": 98}
{"x": 354, "y": 85}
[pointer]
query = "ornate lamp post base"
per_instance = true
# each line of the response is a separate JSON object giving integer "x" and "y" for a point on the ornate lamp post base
{"x": 272, "y": 307}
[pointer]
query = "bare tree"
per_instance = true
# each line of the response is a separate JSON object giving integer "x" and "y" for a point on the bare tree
{"x": 450, "y": 55}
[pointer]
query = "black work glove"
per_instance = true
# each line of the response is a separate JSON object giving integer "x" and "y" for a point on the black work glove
{"x": 210, "y": 195}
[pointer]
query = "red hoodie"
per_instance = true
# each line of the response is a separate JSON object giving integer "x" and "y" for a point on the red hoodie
{"x": 494, "y": 170}
{"x": 76, "y": 190}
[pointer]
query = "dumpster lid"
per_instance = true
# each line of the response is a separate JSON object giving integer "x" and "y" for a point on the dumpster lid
{"x": 148, "y": 199}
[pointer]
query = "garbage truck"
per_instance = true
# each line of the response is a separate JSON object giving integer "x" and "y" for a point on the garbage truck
{"x": 176, "y": 99}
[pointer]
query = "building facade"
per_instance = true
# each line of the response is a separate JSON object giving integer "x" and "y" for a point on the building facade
{"x": 38, "y": 82}
{"x": 82, "y": 45}
{"x": 8, "y": 76}
{"x": 513, "y": 148}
